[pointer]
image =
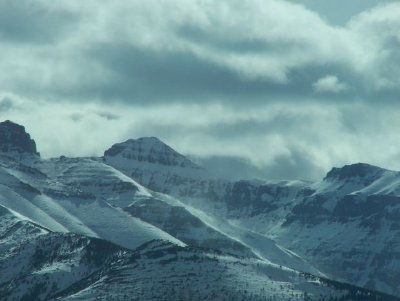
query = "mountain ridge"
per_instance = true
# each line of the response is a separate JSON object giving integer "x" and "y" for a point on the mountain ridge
{"x": 345, "y": 227}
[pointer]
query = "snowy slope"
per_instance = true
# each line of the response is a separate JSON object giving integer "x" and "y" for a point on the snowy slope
{"x": 176, "y": 220}
{"x": 262, "y": 246}
{"x": 138, "y": 158}
{"x": 37, "y": 264}
{"x": 57, "y": 201}
{"x": 345, "y": 226}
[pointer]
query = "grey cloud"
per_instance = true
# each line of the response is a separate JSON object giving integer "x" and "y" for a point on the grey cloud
{"x": 297, "y": 165}
{"x": 339, "y": 12}
{"x": 6, "y": 104}
{"x": 256, "y": 45}
{"x": 207, "y": 76}
{"x": 143, "y": 76}
{"x": 27, "y": 21}
{"x": 76, "y": 117}
{"x": 108, "y": 116}
{"x": 153, "y": 54}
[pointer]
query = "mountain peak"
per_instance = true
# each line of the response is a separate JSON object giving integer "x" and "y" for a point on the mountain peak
{"x": 14, "y": 139}
{"x": 150, "y": 150}
{"x": 357, "y": 170}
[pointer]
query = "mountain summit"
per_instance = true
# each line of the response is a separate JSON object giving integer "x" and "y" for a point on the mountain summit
{"x": 150, "y": 150}
{"x": 152, "y": 163}
{"x": 14, "y": 139}
{"x": 357, "y": 170}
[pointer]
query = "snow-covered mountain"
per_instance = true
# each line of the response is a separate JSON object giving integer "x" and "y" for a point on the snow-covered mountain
{"x": 346, "y": 226}
{"x": 145, "y": 223}
{"x": 72, "y": 195}
{"x": 152, "y": 162}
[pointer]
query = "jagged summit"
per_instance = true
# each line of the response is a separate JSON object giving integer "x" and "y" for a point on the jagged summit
{"x": 357, "y": 170}
{"x": 150, "y": 150}
{"x": 14, "y": 139}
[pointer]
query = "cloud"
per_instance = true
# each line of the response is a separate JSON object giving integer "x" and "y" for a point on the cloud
{"x": 211, "y": 78}
{"x": 329, "y": 84}
{"x": 35, "y": 22}
{"x": 188, "y": 52}
{"x": 375, "y": 30}
{"x": 294, "y": 166}
{"x": 339, "y": 12}
{"x": 108, "y": 116}
{"x": 273, "y": 140}
{"x": 6, "y": 104}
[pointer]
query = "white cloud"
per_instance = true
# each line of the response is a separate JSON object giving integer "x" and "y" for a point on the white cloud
{"x": 257, "y": 40}
{"x": 376, "y": 32}
{"x": 329, "y": 84}
{"x": 320, "y": 135}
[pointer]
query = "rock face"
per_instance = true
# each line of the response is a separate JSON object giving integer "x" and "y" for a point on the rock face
{"x": 14, "y": 139}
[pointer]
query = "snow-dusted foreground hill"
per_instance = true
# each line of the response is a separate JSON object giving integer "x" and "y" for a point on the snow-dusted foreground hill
{"x": 88, "y": 228}
{"x": 38, "y": 264}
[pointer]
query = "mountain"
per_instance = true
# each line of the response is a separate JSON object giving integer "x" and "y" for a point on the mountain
{"x": 153, "y": 163}
{"x": 345, "y": 226}
{"x": 135, "y": 158}
{"x": 148, "y": 150}
{"x": 71, "y": 195}
{"x": 143, "y": 222}
{"x": 14, "y": 139}
{"x": 350, "y": 226}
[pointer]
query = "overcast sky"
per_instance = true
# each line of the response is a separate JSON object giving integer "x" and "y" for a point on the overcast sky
{"x": 290, "y": 87}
